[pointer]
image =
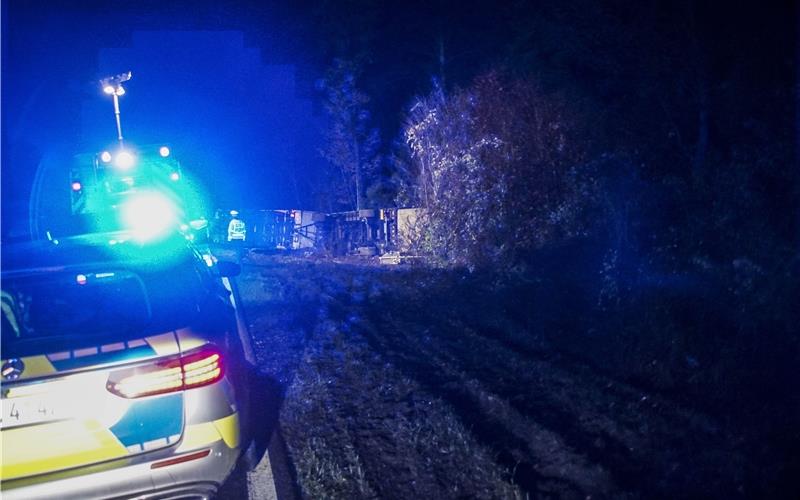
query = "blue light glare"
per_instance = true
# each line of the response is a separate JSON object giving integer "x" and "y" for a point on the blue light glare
{"x": 124, "y": 160}
{"x": 149, "y": 216}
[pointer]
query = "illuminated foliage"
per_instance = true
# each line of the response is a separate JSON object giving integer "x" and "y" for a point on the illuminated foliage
{"x": 498, "y": 169}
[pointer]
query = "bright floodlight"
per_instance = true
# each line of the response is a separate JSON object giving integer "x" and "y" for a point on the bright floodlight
{"x": 76, "y": 185}
{"x": 175, "y": 176}
{"x": 108, "y": 89}
{"x": 105, "y": 156}
{"x": 149, "y": 216}
{"x": 163, "y": 151}
{"x": 124, "y": 160}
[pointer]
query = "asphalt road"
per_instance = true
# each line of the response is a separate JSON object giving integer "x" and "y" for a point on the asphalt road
{"x": 268, "y": 477}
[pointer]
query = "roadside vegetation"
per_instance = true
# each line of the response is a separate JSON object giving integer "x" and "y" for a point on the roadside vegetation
{"x": 418, "y": 382}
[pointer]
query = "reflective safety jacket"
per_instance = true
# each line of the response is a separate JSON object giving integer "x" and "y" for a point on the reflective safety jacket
{"x": 236, "y": 230}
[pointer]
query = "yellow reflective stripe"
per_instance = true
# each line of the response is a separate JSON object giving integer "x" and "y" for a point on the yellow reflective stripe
{"x": 163, "y": 344}
{"x": 36, "y": 366}
{"x": 189, "y": 340}
{"x": 200, "y": 435}
{"x": 228, "y": 428}
{"x": 58, "y": 445}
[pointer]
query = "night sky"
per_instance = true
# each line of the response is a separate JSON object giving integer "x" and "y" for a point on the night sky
{"x": 225, "y": 97}
{"x": 233, "y": 86}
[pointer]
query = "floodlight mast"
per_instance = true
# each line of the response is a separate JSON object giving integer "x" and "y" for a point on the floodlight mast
{"x": 112, "y": 86}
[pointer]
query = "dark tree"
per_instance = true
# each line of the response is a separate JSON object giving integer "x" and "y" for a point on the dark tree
{"x": 351, "y": 141}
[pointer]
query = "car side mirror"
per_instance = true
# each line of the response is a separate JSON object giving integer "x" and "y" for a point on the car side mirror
{"x": 228, "y": 269}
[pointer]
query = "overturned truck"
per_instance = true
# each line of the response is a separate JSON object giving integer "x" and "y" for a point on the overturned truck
{"x": 367, "y": 232}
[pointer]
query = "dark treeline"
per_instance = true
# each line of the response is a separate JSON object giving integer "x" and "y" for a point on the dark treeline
{"x": 688, "y": 106}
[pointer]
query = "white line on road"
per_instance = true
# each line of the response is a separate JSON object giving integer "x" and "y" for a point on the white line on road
{"x": 260, "y": 482}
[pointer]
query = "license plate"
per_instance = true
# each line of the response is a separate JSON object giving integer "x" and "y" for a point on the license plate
{"x": 31, "y": 410}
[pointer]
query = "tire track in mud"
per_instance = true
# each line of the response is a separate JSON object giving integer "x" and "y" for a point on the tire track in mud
{"x": 495, "y": 433}
{"x": 490, "y": 432}
{"x": 558, "y": 427}
{"x": 592, "y": 415}
{"x": 344, "y": 309}
{"x": 349, "y": 400}
{"x": 434, "y": 375}
{"x": 340, "y": 305}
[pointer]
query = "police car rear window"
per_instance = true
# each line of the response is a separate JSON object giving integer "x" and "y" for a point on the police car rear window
{"x": 70, "y": 308}
{"x": 72, "y": 304}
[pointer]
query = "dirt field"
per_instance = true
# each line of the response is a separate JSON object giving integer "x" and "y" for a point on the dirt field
{"x": 411, "y": 383}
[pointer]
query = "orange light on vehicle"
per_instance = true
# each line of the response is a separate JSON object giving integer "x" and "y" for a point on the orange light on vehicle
{"x": 195, "y": 369}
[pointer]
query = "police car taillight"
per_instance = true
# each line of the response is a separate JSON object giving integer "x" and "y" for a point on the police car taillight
{"x": 194, "y": 369}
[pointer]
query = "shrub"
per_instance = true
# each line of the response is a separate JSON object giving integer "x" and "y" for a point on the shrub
{"x": 500, "y": 170}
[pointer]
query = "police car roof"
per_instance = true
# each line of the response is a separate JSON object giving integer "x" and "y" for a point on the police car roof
{"x": 117, "y": 248}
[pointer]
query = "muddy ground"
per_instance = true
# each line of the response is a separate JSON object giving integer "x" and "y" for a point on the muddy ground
{"x": 398, "y": 382}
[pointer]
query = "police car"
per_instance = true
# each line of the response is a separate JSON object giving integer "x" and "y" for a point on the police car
{"x": 123, "y": 370}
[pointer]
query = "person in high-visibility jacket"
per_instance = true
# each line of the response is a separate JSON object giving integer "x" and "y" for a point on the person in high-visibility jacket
{"x": 237, "y": 231}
